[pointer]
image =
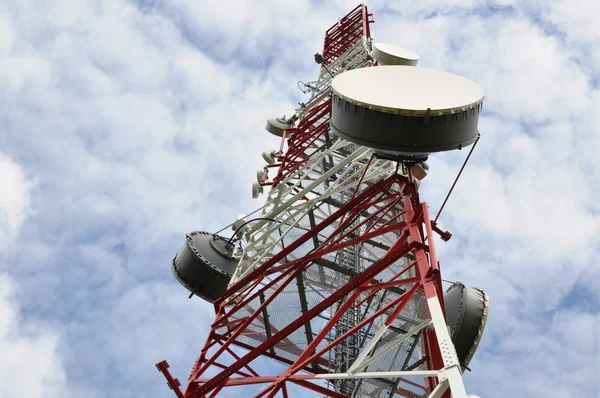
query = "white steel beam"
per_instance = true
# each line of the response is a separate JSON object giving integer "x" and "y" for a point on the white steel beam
{"x": 358, "y": 365}
{"x": 451, "y": 364}
{"x": 373, "y": 375}
{"x": 439, "y": 390}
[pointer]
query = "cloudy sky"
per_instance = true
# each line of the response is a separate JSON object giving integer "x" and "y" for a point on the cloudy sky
{"x": 126, "y": 124}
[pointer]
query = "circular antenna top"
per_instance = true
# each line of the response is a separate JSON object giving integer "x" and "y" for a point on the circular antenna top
{"x": 389, "y": 54}
{"x": 276, "y": 126}
{"x": 408, "y": 91}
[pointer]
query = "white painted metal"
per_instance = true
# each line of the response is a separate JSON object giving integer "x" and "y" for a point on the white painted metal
{"x": 451, "y": 364}
{"x": 309, "y": 196}
{"x": 288, "y": 213}
{"x": 363, "y": 354}
{"x": 439, "y": 390}
{"x": 370, "y": 375}
{"x": 269, "y": 156}
{"x": 360, "y": 365}
{"x": 389, "y": 54}
{"x": 409, "y": 91}
{"x": 284, "y": 204}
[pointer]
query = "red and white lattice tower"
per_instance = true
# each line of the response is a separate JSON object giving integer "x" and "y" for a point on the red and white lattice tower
{"x": 336, "y": 278}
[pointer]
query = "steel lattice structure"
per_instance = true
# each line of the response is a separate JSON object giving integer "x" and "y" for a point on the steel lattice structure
{"x": 338, "y": 278}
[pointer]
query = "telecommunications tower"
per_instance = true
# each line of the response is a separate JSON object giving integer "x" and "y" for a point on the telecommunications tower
{"x": 335, "y": 278}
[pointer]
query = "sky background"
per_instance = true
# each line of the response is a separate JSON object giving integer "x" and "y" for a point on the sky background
{"x": 126, "y": 124}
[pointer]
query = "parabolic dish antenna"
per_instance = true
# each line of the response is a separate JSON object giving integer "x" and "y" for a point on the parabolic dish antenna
{"x": 466, "y": 314}
{"x": 269, "y": 156}
{"x": 257, "y": 189}
{"x": 276, "y": 126}
{"x": 405, "y": 110}
{"x": 204, "y": 265}
{"x": 389, "y": 54}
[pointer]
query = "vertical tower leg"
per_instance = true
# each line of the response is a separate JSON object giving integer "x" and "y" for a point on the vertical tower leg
{"x": 397, "y": 294}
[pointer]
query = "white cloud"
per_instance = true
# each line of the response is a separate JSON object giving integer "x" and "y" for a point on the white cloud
{"x": 31, "y": 365}
{"x": 21, "y": 69}
{"x": 15, "y": 199}
{"x": 141, "y": 124}
{"x": 524, "y": 214}
{"x": 575, "y": 18}
{"x": 7, "y": 33}
{"x": 551, "y": 357}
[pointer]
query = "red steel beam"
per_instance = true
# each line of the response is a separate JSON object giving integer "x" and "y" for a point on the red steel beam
{"x": 394, "y": 254}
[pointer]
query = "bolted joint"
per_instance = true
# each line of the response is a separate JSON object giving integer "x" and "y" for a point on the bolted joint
{"x": 172, "y": 382}
{"x": 162, "y": 366}
{"x": 445, "y": 235}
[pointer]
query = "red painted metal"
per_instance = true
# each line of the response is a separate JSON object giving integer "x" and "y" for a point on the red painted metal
{"x": 426, "y": 279}
{"x": 354, "y": 26}
{"x": 455, "y": 181}
{"x": 318, "y": 389}
{"x": 173, "y": 383}
{"x": 303, "y": 138}
{"x": 282, "y": 254}
{"x": 389, "y": 206}
{"x": 309, "y": 133}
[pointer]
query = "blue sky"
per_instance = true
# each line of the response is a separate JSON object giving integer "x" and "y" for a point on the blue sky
{"x": 124, "y": 125}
